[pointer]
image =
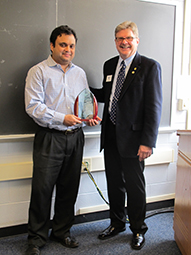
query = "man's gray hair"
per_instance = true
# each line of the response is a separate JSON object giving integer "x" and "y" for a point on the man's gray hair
{"x": 128, "y": 24}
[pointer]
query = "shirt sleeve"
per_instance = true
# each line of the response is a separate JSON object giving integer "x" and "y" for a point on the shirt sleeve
{"x": 35, "y": 100}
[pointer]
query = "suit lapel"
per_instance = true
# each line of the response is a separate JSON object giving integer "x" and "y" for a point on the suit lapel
{"x": 133, "y": 70}
{"x": 112, "y": 69}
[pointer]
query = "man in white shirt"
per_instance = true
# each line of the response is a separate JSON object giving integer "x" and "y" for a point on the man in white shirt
{"x": 50, "y": 92}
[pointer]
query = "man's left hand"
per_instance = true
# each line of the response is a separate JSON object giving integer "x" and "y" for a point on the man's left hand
{"x": 93, "y": 122}
{"x": 144, "y": 152}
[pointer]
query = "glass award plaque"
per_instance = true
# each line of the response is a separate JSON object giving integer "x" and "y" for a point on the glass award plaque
{"x": 85, "y": 106}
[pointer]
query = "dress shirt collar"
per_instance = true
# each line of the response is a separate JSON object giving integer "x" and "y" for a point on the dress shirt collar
{"x": 51, "y": 62}
{"x": 127, "y": 60}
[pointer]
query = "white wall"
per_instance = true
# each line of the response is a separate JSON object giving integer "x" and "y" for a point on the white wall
{"x": 16, "y": 162}
{"x": 160, "y": 174}
{"x": 16, "y": 171}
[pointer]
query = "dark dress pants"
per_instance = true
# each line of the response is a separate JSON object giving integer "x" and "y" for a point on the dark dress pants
{"x": 124, "y": 177}
{"x": 57, "y": 161}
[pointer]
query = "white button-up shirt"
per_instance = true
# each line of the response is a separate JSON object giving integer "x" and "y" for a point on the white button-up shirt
{"x": 50, "y": 93}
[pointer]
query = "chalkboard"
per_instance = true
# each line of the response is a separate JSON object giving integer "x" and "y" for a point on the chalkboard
{"x": 25, "y": 27}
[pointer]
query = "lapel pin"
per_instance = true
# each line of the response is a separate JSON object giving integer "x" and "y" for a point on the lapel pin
{"x": 135, "y": 68}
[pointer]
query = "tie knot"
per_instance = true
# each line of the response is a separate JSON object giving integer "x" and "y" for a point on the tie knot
{"x": 123, "y": 63}
{"x": 122, "y": 66}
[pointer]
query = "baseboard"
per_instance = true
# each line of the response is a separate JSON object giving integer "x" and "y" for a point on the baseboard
{"x": 21, "y": 229}
{"x": 105, "y": 214}
{"x": 13, "y": 230}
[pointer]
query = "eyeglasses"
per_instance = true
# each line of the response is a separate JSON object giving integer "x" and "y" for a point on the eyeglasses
{"x": 121, "y": 39}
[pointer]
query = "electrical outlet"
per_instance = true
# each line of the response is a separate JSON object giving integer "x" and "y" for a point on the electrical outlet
{"x": 86, "y": 163}
{"x": 182, "y": 104}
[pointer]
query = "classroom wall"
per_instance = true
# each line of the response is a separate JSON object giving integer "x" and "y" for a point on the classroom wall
{"x": 160, "y": 174}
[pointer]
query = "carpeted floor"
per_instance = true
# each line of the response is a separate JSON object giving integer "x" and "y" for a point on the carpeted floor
{"x": 159, "y": 240}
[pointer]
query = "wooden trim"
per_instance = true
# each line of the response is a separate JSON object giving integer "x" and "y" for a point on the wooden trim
{"x": 184, "y": 157}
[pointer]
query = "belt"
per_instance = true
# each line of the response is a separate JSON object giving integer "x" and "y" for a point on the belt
{"x": 70, "y": 131}
{"x": 65, "y": 132}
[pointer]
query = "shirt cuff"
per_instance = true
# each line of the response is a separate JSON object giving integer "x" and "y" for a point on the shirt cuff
{"x": 59, "y": 118}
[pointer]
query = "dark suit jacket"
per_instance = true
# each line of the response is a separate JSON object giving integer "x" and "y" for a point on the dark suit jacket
{"x": 139, "y": 105}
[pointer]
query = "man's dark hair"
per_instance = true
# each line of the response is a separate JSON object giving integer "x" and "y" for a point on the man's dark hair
{"x": 58, "y": 31}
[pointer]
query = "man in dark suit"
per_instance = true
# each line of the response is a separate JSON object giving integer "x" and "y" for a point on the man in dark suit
{"x": 130, "y": 124}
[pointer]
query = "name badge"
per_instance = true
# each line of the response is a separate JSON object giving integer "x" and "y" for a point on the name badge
{"x": 108, "y": 78}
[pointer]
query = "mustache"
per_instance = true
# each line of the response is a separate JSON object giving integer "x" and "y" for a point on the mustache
{"x": 125, "y": 46}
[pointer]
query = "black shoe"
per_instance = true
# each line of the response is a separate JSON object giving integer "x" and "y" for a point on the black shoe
{"x": 138, "y": 241}
{"x": 68, "y": 241}
{"x": 110, "y": 232}
{"x": 33, "y": 250}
